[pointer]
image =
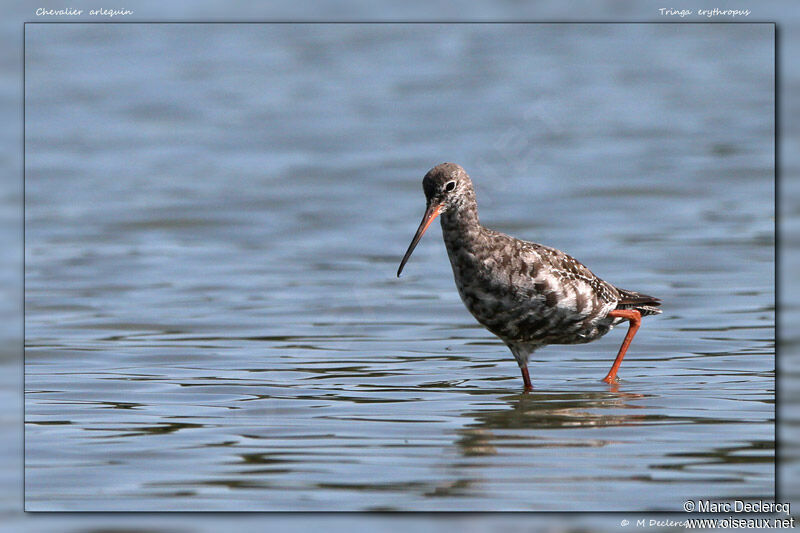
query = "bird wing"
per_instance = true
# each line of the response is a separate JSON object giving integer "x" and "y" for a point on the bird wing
{"x": 569, "y": 271}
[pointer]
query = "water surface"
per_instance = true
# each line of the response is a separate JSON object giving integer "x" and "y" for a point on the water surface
{"x": 214, "y": 217}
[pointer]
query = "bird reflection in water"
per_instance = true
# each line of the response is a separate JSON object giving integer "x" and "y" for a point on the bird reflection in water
{"x": 543, "y": 410}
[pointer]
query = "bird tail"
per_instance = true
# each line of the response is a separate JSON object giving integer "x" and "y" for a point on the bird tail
{"x": 645, "y": 304}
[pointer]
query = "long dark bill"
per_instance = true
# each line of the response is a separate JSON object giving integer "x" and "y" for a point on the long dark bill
{"x": 430, "y": 214}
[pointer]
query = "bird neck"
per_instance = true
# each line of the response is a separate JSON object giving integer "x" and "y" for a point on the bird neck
{"x": 460, "y": 224}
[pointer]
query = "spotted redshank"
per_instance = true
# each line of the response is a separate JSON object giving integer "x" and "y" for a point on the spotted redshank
{"x": 527, "y": 294}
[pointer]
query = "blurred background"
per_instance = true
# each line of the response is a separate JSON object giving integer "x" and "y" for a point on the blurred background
{"x": 185, "y": 195}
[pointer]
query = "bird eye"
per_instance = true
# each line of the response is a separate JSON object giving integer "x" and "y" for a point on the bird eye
{"x": 450, "y": 186}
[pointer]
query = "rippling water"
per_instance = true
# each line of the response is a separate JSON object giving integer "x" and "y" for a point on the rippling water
{"x": 214, "y": 217}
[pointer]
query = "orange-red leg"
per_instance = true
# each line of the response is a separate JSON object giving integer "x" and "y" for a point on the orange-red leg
{"x": 526, "y": 378}
{"x": 635, "y": 319}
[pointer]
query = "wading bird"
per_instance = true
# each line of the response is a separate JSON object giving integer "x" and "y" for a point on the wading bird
{"x": 527, "y": 294}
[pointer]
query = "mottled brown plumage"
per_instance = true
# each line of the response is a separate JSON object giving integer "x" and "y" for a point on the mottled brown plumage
{"x": 527, "y": 294}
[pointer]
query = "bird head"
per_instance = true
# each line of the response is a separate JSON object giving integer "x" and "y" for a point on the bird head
{"x": 446, "y": 186}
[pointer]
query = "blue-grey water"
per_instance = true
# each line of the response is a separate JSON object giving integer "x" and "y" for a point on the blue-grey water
{"x": 214, "y": 218}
